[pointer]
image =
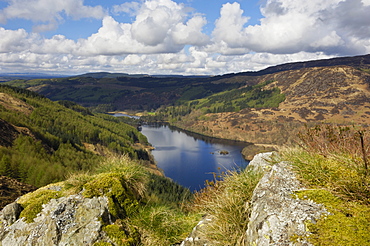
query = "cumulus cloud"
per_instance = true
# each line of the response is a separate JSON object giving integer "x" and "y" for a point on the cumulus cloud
{"x": 157, "y": 21}
{"x": 160, "y": 26}
{"x": 12, "y": 40}
{"x": 49, "y": 12}
{"x": 165, "y": 37}
{"x": 290, "y": 26}
{"x": 130, "y": 8}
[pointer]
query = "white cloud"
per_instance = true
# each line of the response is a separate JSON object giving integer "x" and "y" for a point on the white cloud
{"x": 229, "y": 27}
{"x": 127, "y": 7}
{"x": 291, "y": 26}
{"x": 12, "y": 40}
{"x": 161, "y": 26}
{"x": 49, "y": 12}
{"x": 166, "y": 38}
{"x": 190, "y": 33}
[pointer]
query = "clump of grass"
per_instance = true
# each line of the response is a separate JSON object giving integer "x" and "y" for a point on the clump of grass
{"x": 226, "y": 201}
{"x": 334, "y": 158}
{"x": 75, "y": 182}
{"x": 331, "y": 140}
{"x": 135, "y": 175}
{"x": 163, "y": 225}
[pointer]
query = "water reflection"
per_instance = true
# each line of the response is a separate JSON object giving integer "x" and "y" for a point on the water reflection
{"x": 189, "y": 160}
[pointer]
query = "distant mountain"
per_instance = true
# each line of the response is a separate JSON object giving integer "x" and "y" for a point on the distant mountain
{"x": 100, "y": 75}
{"x": 121, "y": 91}
{"x": 27, "y": 76}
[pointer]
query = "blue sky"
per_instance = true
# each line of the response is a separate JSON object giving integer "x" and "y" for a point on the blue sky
{"x": 176, "y": 36}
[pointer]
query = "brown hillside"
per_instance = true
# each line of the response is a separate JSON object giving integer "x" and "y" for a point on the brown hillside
{"x": 11, "y": 189}
{"x": 339, "y": 94}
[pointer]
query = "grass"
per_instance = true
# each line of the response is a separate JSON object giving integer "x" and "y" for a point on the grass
{"x": 331, "y": 162}
{"x": 163, "y": 224}
{"x": 141, "y": 216}
{"x": 226, "y": 201}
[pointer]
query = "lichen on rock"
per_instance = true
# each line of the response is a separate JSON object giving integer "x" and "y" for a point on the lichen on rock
{"x": 53, "y": 216}
{"x": 277, "y": 216}
{"x": 72, "y": 220}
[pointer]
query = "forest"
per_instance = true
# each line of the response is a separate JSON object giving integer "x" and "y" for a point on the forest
{"x": 64, "y": 138}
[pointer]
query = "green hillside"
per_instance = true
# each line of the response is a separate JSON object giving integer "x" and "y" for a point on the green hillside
{"x": 233, "y": 100}
{"x": 52, "y": 139}
{"x": 127, "y": 93}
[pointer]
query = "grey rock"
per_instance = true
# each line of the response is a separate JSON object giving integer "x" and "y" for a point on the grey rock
{"x": 72, "y": 220}
{"x": 196, "y": 237}
{"x": 276, "y": 214}
{"x": 10, "y": 213}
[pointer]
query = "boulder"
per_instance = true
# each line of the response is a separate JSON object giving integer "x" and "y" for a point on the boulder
{"x": 71, "y": 220}
{"x": 277, "y": 215}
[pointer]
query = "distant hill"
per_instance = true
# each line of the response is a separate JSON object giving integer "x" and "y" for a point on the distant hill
{"x": 27, "y": 76}
{"x": 273, "y": 111}
{"x": 121, "y": 91}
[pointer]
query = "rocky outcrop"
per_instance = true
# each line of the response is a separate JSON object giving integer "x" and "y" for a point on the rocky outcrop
{"x": 72, "y": 220}
{"x": 276, "y": 215}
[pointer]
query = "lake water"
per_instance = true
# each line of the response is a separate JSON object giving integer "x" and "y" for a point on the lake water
{"x": 191, "y": 160}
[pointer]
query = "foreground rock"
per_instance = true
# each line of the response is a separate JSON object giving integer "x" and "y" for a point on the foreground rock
{"x": 276, "y": 216}
{"x": 72, "y": 220}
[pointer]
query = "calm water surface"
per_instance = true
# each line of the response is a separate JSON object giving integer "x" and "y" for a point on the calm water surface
{"x": 189, "y": 160}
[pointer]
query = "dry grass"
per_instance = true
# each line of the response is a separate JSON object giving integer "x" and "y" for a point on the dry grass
{"x": 226, "y": 201}
{"x": 335, "y": 158}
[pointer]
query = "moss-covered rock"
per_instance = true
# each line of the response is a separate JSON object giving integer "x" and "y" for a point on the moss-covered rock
{"x": 113, "y": 185}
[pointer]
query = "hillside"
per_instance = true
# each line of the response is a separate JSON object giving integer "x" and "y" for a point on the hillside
{"x": 43, "y": 141}
{"x": 315, "y": 194}
{"x": 120, "y": 92}
{"x": 268, "y": 107}
{"x": 107, "y": 92}
{"x": 275, "y": 110}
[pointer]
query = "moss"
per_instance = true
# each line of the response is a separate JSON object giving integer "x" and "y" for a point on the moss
{"x": 32, "y": 203}
{"x": 102, "y": 244}
{"x": 120, "y": 236}
{"x": 122, "y": 201}
{"x": 347, "y": 224}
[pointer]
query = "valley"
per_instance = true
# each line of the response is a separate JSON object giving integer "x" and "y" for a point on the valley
{"x": 57, "y": 138}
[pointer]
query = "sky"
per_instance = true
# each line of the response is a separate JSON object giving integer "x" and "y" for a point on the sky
{"x": 188, "y": 37}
